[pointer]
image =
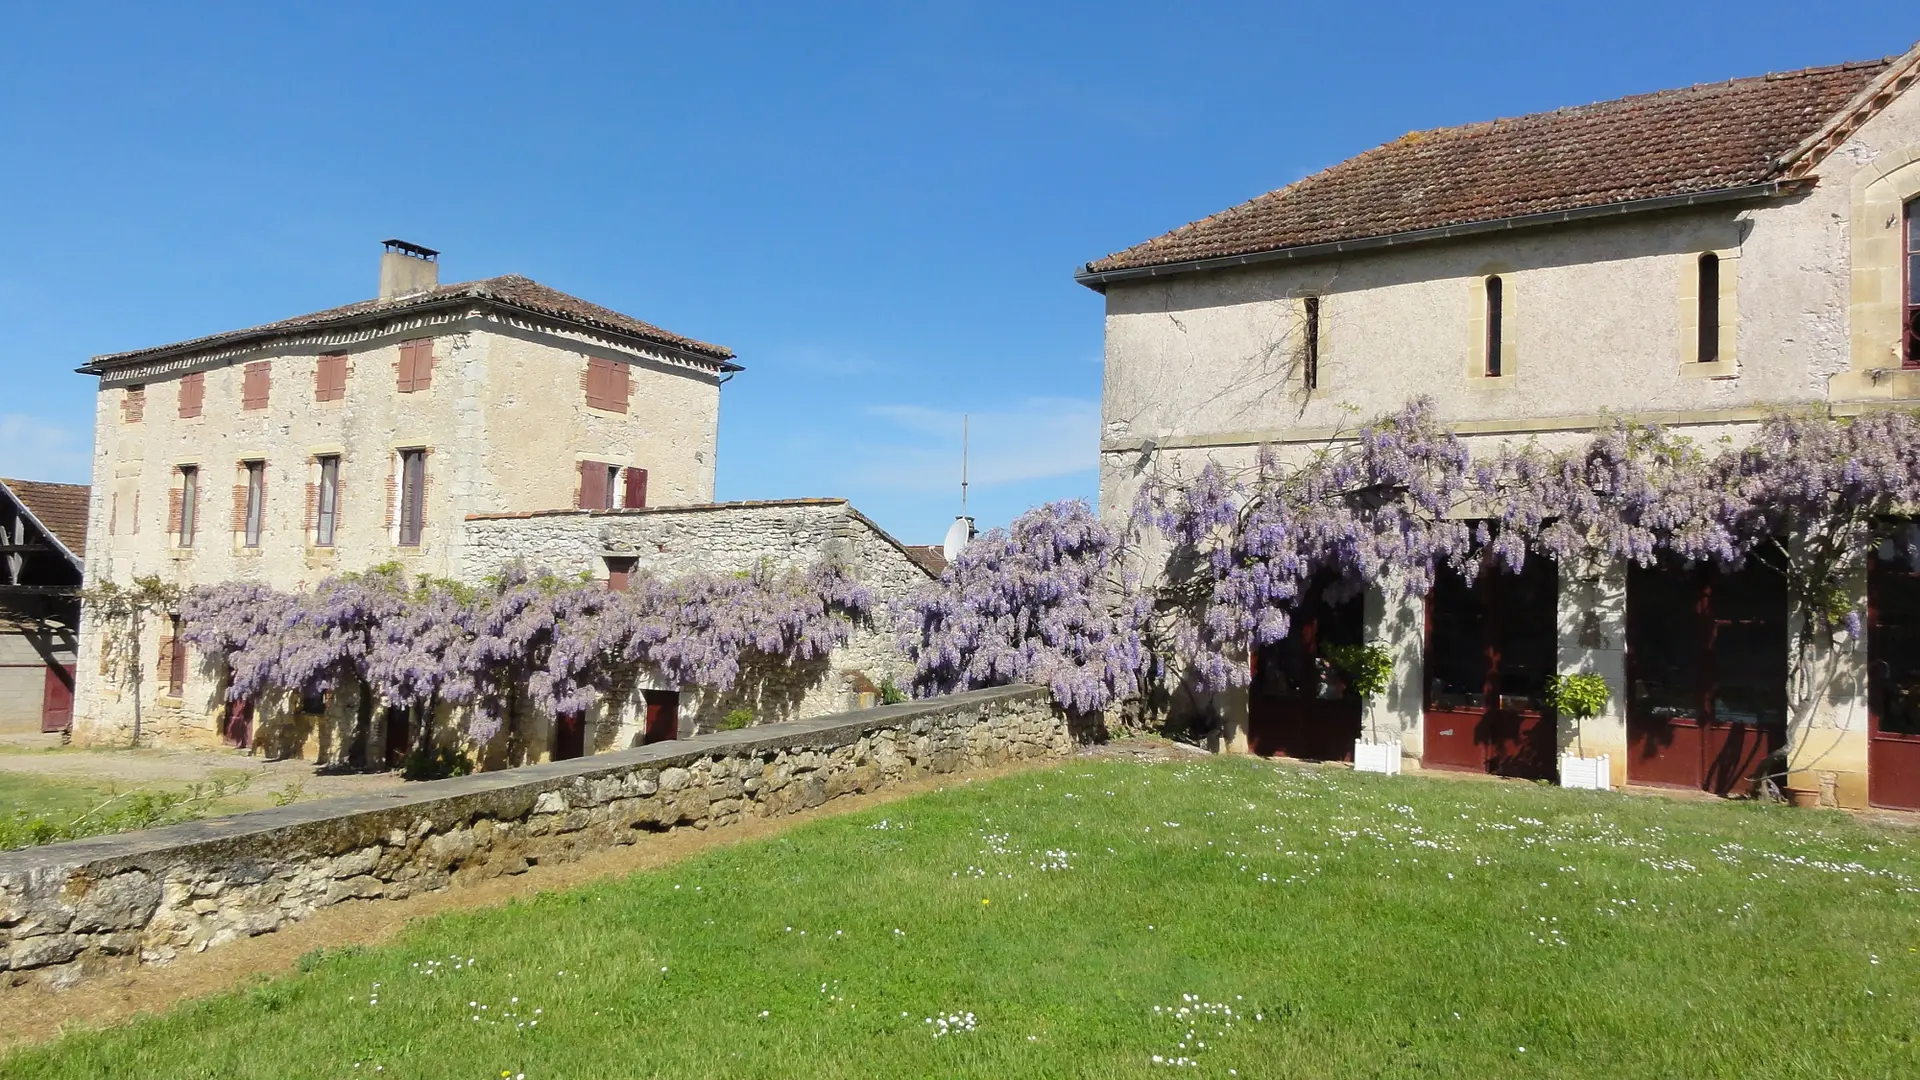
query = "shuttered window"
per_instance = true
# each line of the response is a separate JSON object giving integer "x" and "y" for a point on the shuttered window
{"x": 330, "y": 378}
{"x": 416, "y": 365}
{"x": 413, "y": 496}
{"x": 596, "y": 486}
{"x": 254, "y": 385}
{"x": 193, "y": 394}
{"x": 636, "y": 489}
{"x": 607, "y": 384}
{"x": 173, "y": 660}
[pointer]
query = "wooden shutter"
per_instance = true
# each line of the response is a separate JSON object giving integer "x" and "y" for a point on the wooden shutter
{"x": 193, "y": 394}
{"x": 620, "y": 573}
{"x": 636, "y": 488}
{"x": 255, "y": 384}
{"x": 593, "y": 485}
{"x": 617, "y": 387}
{"x": 330, "y": 378}
{"x": 416, "y": 365}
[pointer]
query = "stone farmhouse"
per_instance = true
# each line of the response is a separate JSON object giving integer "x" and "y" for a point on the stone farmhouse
{"x": 449, "y": 429}
{"x": 1693, "y": 257}
{"x": 43, "y": 547}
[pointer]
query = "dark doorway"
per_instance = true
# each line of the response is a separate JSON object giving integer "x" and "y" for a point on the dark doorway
{"x": 663, "y": 716}
{"x": 1491, "y": 645}
{"x": 56, "y": 698}
{"x": 569, "y": 735}
{"x": 236, "y": 727}
{"x": 1299, "y": 705}
{"x": 397, "y": 721}
{"x": 1893, "y": 686}
{"x": 1706, "y": 675}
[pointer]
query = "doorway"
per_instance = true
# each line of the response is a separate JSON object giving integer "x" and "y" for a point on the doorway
{"x": 1893, "y": 686}
{"x": 1491, "y": 645}
{"x": 56, "y": 698}
{"x": 236, "y": 724}
{"x": 1299, "y": 705}
{"x": 399, "y": 730}
{"x": 569, "y": 736}
{"x": 1706, "y": 675}
{"x": 663, "y": 716}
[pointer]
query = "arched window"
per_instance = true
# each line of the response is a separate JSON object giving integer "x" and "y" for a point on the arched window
{"x": 1709, "y": 308}
{"x": 1911, "y": 356}
{"x": 1495, "y": 305}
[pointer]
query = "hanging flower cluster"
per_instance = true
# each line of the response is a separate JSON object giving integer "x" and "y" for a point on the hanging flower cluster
{"x": 558, "y": 644}
{"x": 1809, "y": 496}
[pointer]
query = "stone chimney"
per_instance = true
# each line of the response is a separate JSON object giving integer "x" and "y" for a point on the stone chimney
{"x": 406, "y": 269}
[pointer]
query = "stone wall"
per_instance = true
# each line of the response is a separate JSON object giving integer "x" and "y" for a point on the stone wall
{"x": 726, "y": 538}
{"x": 71, "y": 910}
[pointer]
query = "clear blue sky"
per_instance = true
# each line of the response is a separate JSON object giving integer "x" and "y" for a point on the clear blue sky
{"x": 879, "y": 208}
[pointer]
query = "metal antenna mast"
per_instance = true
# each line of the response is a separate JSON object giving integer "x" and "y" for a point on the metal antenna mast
{"x": 964, "y": 419}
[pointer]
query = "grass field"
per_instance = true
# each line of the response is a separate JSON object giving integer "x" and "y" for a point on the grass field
{"x": 1221, "y": 917}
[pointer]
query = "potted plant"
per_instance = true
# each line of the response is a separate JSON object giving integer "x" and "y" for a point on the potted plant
{"x": 1581, "y": 696}
{"x": 1368, "y": 670}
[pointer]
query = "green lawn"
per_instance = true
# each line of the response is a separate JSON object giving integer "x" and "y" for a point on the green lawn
{"x": 45, "y": 809}
{"x": 1113, "y": 919}
{"x": 25, "y": 792}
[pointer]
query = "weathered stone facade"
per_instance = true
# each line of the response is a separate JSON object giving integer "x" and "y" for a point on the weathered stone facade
{"x": 1600, "y": 319}
{"x": 69, "y": 910}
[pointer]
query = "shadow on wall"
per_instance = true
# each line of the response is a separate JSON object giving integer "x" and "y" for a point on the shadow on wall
{"x": 767, "y": 690}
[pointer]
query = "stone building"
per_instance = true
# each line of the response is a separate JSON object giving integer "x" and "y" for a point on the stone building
{"x": 43, "y": 545}
{"x": 1695, "y": 257}
{"x": 365, "y": 435}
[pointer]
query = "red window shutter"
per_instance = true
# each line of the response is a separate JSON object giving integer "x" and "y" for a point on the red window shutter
{"x": 330, "y": 379}
{"x": 416, "y": 365}
{"x": 593, "y": 485}
{"x": 254, "y": 385}
{"x": 636, "y": 488}
{"x": 405, "y": 384}
{"x": 617, "y": 387}
{"x": 193, "y": 394}
{"x": 596, "y": 383}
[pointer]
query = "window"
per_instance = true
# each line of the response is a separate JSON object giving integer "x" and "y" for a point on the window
{"x": 254, "y": 385}
{"x": 620, "y": 572}
{"x": 607, "y": 384}
{"x": 330, "y": 378}
{"x": 173, "y": 660}
{"x": 597, "y": 485}
{"x": 189, "y": 496}
{"x": 413, "y": 494}
{"x": 326, "y": 511}
{"x": 1496, "y": 305}
{"x": 1911, "y": 357}
{"x": 193, "y": 394}
{"x": 133, "y": 406}
{"x": 1709, "y": 350}
{"x": 1310, "y": 355}
{"x": 256, "y": 502}
{"x": 636, "y": 489}
{"x": 416, "y": 365}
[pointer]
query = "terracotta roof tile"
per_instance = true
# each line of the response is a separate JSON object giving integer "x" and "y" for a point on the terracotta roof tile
{"x": 1703, "y": 138}
{"x": 930, "y": 557}
{"x": 511, "y": 290}
{"x": 62, "y": 508}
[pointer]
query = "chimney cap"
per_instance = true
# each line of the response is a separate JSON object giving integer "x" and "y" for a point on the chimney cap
{"x": 410, "y": 249}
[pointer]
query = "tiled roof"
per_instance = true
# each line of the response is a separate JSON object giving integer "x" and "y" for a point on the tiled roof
{"x": 930, "y": 557}
{"x": 512, "y": 291}
{"x": 1712, "y": 137}
{"x": 62, "y": 508}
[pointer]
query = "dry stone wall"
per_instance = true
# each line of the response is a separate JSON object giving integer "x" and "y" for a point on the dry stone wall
{"x": 68, "y": 911}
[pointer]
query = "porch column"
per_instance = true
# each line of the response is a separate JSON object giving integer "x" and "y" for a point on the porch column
{"x": 1592, "y": 620}
{"x": 1397, "y": 620}
{"x": 1828, "y": 752}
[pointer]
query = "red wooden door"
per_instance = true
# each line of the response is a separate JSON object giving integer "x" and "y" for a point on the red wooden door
{"x": 1707, "y": 676}
{"x": 1893, "y": 687}
{"x": 663, "y": 716}
{"x": 1491, "y": 644}
{"x": 1298, "y": 705}
{"x": 569, "y": 735}
{"x": 237, "y": 728}
{"x": 56, "y": 699}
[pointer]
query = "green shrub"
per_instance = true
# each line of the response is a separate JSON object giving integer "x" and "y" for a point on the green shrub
{"x": 737, "y": 719}
{"x": 1580, "y": 696}
{"x": 431, "y": 762}
{"x": 890, "y": 692}
{"x": 1368, "y": 668}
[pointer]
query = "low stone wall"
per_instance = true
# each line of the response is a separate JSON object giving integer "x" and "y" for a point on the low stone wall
{"x": 70, "y": 910}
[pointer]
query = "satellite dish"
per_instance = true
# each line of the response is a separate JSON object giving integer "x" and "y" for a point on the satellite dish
{"x": 957, "y": 537}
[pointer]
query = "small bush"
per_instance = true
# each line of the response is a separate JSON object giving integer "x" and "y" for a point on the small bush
{"x": 431, "y": 762}
{"x": 1368, "y": 668}
{"x": 737, "y": 719}
{"x": 1579, "y": 696}
{"x": 890, "y": 692}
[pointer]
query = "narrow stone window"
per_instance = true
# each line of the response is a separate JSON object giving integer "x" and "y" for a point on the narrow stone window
{"x": 327, "y": 511}
{"x": 256, "y": 502}
{"x": 1709, "y": 351}
{"x": 1496, "y": 304}
{"x": 189, "y": 504}
{"x": 1310, "y": 334}
{"x": 413, "y": 496}
{"x": 1911, "y": 355}
{"x": 173, "y": 660}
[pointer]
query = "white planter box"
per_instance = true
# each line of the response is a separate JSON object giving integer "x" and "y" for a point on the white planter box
{"x": 1594, "y": 773}
{"x": 1377, "y": 757}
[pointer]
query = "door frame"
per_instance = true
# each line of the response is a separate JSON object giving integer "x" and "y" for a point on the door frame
{"x": 1875, "y": 686}
{"x": 1493, "y": 720}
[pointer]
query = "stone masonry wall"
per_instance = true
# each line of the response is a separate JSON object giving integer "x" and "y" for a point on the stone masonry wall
{"x": 71, "y": 910}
